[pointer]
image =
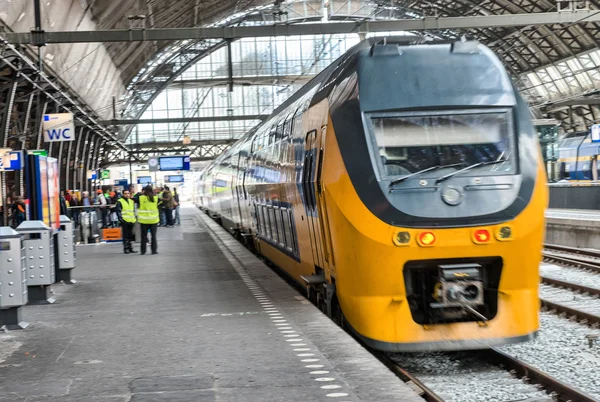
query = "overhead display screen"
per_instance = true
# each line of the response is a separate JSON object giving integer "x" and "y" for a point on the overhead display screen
{"x": 144, "y": 179}
{"x": 171, "y": 163}
{"x": 174, "y": 163}
{"x": 175, "y": 178}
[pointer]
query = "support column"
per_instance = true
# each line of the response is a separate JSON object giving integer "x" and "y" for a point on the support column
{"x": 61, "y": 167}
{"x": 4, "y": 133}
{"x": 78, "y": 160}
{"x": 85, "y": 150}
{"x": 69, "y": 165}
{"x": 229, "y": 66}
{"x": 40, "y": 128}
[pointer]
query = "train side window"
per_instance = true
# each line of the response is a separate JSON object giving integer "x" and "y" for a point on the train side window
{"x": 258, "y": 220}
{"x": 275, "y": 154}
{"x": 293, "y": 232}
{"x": 265, "y": 219}
{"x": 285, "y": 216}
{"x": 279, "y": 221}
{"x": 273, "y": 223}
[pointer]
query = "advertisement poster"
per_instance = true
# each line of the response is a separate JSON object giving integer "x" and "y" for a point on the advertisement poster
{"x": 43, "y": 200}
{"x": 53, "y": 193}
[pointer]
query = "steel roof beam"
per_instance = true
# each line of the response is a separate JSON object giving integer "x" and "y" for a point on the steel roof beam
{"x": 330, "y": 28}
{"x": 149, "y": 146}
{"x": 124, "y": 122}
{"x": 241, "y": 80}
{"x": 553, "y": 107}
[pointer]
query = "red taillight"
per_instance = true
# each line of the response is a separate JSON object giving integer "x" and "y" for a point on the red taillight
{"x": 481, "y": 236}
{"x": 426, "y": 239}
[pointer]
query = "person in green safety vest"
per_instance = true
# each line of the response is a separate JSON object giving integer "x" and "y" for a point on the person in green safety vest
{"x": 148, "y": 218}
{"x": 161, "y": 208}
{"x": 125, "y": 210}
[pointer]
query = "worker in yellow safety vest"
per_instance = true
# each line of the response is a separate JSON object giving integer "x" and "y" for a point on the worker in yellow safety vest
{"x": 148, "y": 218}
{"x": 126, "y": 214}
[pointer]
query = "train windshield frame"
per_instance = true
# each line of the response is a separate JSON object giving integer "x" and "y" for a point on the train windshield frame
{"x": 440, "y": 142}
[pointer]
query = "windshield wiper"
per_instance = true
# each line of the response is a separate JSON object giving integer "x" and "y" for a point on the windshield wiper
{"x": 473, "y": 166}
{"x": 408, "y": 176}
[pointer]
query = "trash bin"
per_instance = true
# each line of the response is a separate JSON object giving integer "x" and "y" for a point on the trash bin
{"x": 64, "y": 250}
{"x": 90, "y": 232}
{"x": 39, "y": 260}
{"x": 13, "y": 278}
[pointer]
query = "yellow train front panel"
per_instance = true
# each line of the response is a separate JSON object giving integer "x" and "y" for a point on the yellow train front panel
{"x": 370, "y": 266}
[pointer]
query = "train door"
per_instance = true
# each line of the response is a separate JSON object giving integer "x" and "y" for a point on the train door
{"x": 242, "y": 195}
{"x": 236, "y": 184}
{"x": 323, "y": 219}
{"x": 311, "y": 156}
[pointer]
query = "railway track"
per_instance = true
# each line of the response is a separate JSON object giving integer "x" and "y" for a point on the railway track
{"x": 570, "y": 256}
{"x": 487, "y": 375}
{"x": 498, "y": 375}
{"x": 581, "y": 267}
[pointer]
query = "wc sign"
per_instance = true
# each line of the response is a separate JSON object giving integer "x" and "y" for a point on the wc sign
{"x": 58, "y": 127}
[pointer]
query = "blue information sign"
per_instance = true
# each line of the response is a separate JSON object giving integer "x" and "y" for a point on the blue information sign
{"x": 15, "y": 160}
{"x": 144, "y": 179}
{"x": 170, "y": 163}
{"x": 174, "y": 178}
{"x": 595, "y": 131}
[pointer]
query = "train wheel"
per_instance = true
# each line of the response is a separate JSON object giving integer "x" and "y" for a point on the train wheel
{"x": 337, "y": 314}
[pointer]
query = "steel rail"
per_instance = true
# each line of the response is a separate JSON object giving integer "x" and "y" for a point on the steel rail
{"x": 426, "y": 393}
{"x": 523, "y": 370}
{"x": 572, "y": 286}
{"x": 587, "y": 318}
{"x": 573, "y": 250}
{"x": 569, "y": 260}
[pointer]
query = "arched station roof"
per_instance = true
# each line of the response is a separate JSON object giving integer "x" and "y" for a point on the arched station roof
{"x": 555, "y": 66}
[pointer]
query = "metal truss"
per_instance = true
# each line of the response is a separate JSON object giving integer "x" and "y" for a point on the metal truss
{"x": 526, "y": 35}
{"x": 197, "y": 151}
{"x": 25, "y": 96}
{"x": 196, "y": 119}
{"x": 229, "y": 32}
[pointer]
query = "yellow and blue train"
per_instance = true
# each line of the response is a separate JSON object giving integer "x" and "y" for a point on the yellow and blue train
{"x": 403, "y": 187}
{"x": 578, "y": 157}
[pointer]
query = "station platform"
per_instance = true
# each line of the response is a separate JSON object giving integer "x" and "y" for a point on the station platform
{"x": 573, "y": 227}
{"x": 204, "y": 320}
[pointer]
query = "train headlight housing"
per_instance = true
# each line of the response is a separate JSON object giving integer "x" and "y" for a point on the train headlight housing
{"x": 426, "y": 239}
{"x": 505, "y": 233}
{"x": 402, "y": 238}
{"x": 481, "y": 236}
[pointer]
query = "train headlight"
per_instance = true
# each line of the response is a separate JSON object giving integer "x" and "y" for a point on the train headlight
{"x": 505, "y": 233}
{"x": 426, "y": 239}
{"x": 402, "y": 239}
{"x": 452, "y": 196}
{"x": 481, "y": 236}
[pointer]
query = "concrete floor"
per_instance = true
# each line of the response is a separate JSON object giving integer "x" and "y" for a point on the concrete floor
{"x": 193, "y": 323}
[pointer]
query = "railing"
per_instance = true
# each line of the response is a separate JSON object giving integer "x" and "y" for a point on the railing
{"x": 89, "y": 220}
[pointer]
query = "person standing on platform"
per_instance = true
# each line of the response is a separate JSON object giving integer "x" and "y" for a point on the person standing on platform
{"x": 18, "y": 211}
{"x": 102, "y": 200}
{"x": 167, "y": 203}
{"x": 148, "y": 218}
{"x": 125, "y": 211}
{"x": 64, "y": 207}
{"x": 161, "y": 207}
{"x": 176, "y": 205}
{"x": 74, "y": 203}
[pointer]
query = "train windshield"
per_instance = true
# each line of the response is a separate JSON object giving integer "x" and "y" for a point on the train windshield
{"x": 443, "y": 142}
